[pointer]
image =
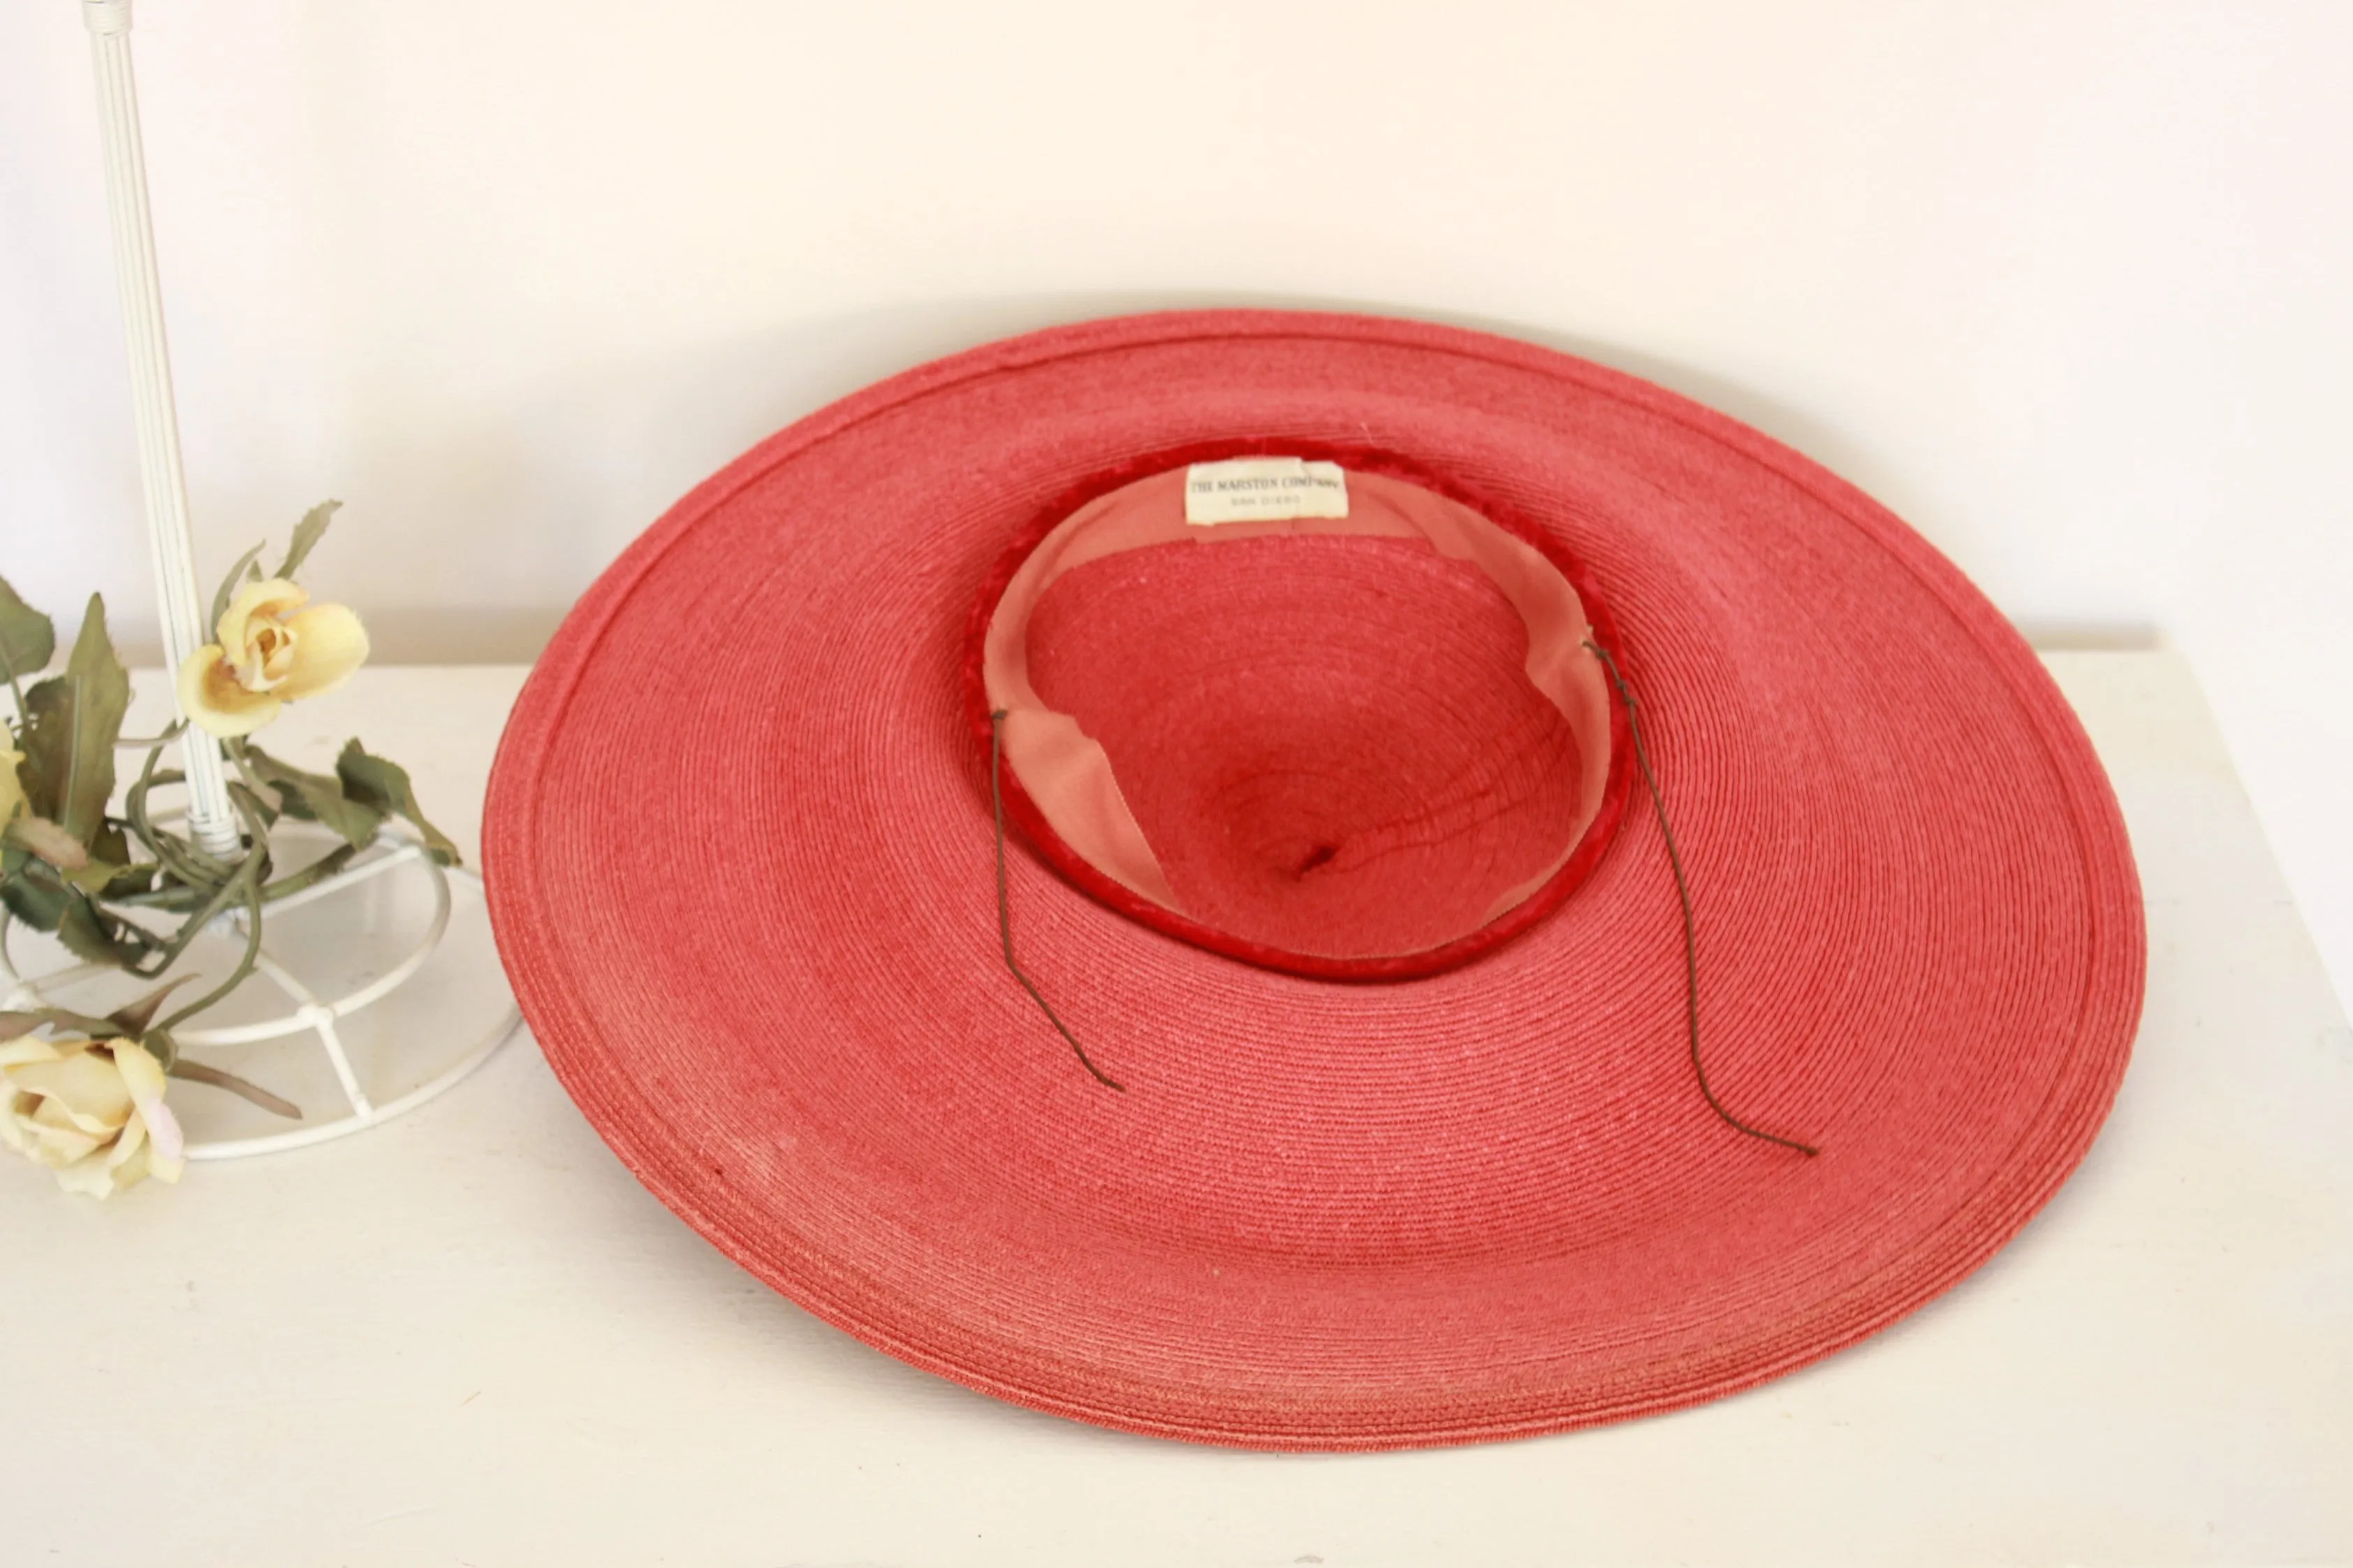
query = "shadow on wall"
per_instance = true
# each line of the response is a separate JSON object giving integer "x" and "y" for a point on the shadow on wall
{"x": 546, "y": 491}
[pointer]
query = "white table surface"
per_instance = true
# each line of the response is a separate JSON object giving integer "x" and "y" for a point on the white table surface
{"x": 468, "y": 1337}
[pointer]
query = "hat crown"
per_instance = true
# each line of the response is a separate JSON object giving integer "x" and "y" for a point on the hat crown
{"x": 1350, "y": 741}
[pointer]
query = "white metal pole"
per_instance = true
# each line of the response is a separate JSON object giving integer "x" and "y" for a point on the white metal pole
{"x": 212, "y": 821}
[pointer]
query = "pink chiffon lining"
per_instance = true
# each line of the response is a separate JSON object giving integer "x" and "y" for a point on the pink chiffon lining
{"x": 1069, "y": 776}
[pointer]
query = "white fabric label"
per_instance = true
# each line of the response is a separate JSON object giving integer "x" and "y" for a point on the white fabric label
{"x": 1262, "y": 489}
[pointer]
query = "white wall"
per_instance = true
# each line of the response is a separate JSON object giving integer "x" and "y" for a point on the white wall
{"x": 2063, "y": 281}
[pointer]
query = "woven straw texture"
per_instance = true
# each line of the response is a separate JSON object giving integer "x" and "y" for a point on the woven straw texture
{"x": 741, "y": 867}
{"x": 1338, "y": 740}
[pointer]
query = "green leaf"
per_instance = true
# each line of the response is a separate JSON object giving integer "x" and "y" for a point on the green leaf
{"x": 228, "y": 589}
{"x": 132, "y": 1017}
{"x": 34, "y": 893}
{"x": 197, "y": 1072}
{"x": 129, "y": 881}
{"x": 89, "y": 934}
{"x": 75, "y": 866}
{"x": 36, "y": 903}
{"x": 384, "y": 784}
{"x": 110, "y": 844}
{"x": 264, "y": 803}
{"x": 73, "y": 722}
{"x": 316, "y": 797}
{"x": 284, "y": 780}
{"x": 125, "y": 875}
{"x": 27, "y": 638}
{"x": 307, "y": 534}
{"x": 93, "y": 877}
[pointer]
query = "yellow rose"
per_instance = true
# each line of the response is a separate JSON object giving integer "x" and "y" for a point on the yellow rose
{"x": 12, "y": 788}
{"x": 271, "y": 651}
{"x": 92, "y": 1111}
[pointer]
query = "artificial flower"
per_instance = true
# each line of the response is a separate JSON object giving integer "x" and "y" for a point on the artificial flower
{"x": 92, "y": 1111}
{"x": 275, "y": 647}
{"x": 12, "y": 788}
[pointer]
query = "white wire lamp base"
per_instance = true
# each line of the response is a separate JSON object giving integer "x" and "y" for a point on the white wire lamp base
{"x": 377, "y": 989}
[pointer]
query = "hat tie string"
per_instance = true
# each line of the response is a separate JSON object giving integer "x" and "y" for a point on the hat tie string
{"x": 1666, "y": 830}
{"x": 1683, "y": 891}
{"x": 1004, "y": 902}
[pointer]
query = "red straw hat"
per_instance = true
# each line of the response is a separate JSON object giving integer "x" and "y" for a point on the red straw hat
{"x": 1327, "y": 832}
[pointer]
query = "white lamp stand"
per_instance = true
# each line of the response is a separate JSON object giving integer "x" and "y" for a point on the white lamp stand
{"x": 387, "y": 989}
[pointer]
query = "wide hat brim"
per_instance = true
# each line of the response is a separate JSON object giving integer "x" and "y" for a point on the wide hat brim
{"x": 740, "y": 856}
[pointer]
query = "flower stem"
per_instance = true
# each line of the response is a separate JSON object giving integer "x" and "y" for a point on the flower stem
{"x": 183, "y": 859}
{"x": 171, "y": 899}
{"x": 249, "y": 878}
{"x": 194, "y": 924}
{"x": 235, "y": 747}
